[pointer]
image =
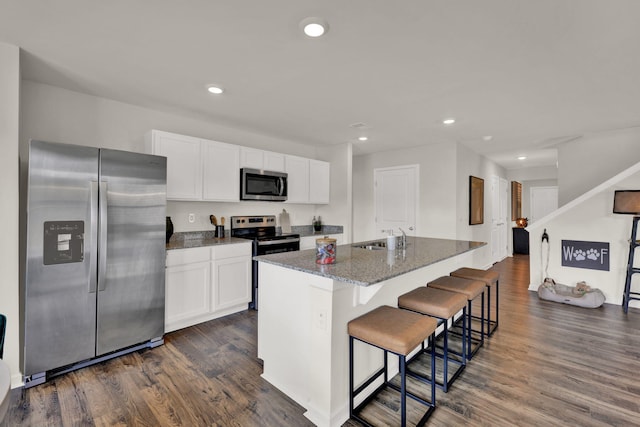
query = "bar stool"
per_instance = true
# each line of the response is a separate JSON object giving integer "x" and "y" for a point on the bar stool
{"x": 443, "y": 305}
{"x": 470, "y": 289}
{"x": 490, "y": 278}
{"x": 399, "y": 332}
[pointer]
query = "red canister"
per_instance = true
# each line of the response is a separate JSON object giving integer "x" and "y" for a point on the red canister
{"x": 325, "y": 251}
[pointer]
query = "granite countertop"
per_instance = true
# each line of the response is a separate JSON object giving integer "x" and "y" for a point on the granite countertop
{"x": 365, "y": 267}
{"x": 197, "y": 239}
{"x": 307, "y": 230}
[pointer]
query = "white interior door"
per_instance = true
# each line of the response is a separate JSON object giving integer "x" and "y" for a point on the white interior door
{"x": 544, "y": 200}
{"x": 396, "y": 199}
{"x": 499, "y": 232}
{"x": 504, "y": 218}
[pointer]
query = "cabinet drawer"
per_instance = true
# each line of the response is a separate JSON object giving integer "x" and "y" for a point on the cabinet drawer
{"x": 230, "y": 251}
{"x": 188, "y": 256}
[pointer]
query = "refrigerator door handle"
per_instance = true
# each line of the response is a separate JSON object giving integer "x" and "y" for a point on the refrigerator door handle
{"x": 102, "y": 238}
{"x": 93, "y": 261}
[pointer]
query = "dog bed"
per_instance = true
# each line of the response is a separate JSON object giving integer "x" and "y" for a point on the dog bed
{"x": 580, "y": 295}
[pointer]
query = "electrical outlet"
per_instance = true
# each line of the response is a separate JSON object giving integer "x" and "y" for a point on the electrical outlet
{"x": 192, "y": 218}
{"x": 321, "y": 319}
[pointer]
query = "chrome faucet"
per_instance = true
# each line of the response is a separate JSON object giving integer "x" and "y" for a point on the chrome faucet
{"x": 403, "y": 239}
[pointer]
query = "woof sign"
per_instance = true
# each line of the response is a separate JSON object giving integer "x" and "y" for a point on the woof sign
{"x": 591, "y": 255}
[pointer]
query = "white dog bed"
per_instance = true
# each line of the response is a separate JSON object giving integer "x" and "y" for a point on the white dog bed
{"x": 580, "y": 295}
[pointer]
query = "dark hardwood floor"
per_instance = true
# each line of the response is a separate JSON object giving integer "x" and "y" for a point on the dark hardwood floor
{"x": 546, "y": 365}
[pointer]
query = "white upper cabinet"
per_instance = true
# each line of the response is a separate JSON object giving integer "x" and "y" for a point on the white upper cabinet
{"x": 319, "y": 181}
{"x": 274, "y": 161}
{"x": 221, "y": 179}
{"x": 260, "y": 159}
{"x": 251, "y": 158}
{"x": 197, "y": 169}
{"x": 297, "y": 169}
{"x": 308, "y": 180}
{"x": 184, "y": 165}
{"x": 204, "y": 170}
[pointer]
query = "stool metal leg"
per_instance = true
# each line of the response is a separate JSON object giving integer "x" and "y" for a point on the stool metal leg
{"x": 488, "y": 309}
{"x": 403, "y": 391}
{"x": 351, "y": 392}
{"x": 497, "y": 306}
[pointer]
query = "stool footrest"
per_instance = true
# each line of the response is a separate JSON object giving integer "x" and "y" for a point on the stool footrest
{"x": 426, "y": 378}
{"x": 368, "y": 382}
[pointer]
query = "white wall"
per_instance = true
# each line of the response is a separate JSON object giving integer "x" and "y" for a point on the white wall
{"x": 526, "y": 193}
{"x": 470, "y": 163}
{"x": 588, "y": 218}
{"x": 9, "y": 135}
{"x": 436, "y": 217}
{"x": 592, "y": 159}
{"x": 341, "y": 186}
{"x": 444, "y": 192}
{"x": 533, "y": 174}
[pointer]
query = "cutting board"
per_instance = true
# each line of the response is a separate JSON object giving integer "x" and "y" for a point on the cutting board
{"x": 285, "y": 224}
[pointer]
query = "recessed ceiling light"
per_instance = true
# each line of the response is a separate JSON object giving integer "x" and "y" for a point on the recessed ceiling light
{"x": 314, "y": 27}
{"x": 487, "y": 138}
{"x": 522, "y": 157}
{"x": 449, "y": 121}
{"x": 216, "y": 90}
{"x": 362, "y": 138}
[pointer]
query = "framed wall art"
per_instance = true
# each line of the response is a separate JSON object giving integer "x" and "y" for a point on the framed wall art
{"x": 476, "y": 200}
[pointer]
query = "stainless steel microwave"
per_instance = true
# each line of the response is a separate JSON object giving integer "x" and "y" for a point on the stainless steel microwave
{"x": 258, "y": 184}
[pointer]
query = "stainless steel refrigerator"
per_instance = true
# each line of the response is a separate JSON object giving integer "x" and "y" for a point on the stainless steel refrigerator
{"x": 93, "y": 285}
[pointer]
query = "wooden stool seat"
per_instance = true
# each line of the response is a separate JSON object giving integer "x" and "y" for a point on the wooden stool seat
{"x": 399, "y": 332}
{"x": 433, "y": 302}
{"x": 443, "y": 305}
{"x": 491, "y": 279}
{"x": 471, "y": 289}
{"x": 392, "y": 329}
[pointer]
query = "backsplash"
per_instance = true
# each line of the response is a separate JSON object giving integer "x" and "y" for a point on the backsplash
{"x": 307, "y": 230}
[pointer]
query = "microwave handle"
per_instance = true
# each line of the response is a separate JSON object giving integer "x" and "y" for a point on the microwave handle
{"x": 280, "y": 186}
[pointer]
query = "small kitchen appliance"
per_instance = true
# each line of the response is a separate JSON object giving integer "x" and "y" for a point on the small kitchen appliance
{"x": 258, "y": 184}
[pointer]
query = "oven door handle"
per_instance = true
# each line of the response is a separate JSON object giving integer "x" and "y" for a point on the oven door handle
{"x": 277, "y": 242}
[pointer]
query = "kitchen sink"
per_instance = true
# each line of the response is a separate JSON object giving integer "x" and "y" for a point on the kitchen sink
{"x": 372, "y": 246}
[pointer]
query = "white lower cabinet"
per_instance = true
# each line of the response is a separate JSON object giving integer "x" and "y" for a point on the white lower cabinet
{"x": 231, "y": 277}
{"x": 186, "y": 294}
{"x": 205, "y": 283}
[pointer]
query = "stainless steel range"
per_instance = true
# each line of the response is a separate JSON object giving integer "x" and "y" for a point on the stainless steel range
{"x": 262, "y": 230}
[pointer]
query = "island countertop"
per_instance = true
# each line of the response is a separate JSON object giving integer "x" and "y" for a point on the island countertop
{"x": 365, "y": 267}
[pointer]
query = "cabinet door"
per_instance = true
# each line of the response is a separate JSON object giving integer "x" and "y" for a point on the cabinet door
{"x": 251, "y": 158}
{"x": 184, "y": 164}
{"x": 274, "y": 161}
{"x": 231, "y": 283}
{"x": 221, "y": 171}
{"x": 187, "y": 294}
{"x": 319, "y": 181}
{"x": 298, "y": 179}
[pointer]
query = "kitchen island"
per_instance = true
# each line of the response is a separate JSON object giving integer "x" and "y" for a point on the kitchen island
{"x": 305, "y": 308}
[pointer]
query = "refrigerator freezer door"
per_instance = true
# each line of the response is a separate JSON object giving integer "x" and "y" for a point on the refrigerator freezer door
{"x": 60, "y": 298}
{"x": 132, "y": 244}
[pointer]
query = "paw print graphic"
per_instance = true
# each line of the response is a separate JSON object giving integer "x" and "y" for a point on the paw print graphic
{"x": 580, "y": 255}
{"x": 593, "y": 254}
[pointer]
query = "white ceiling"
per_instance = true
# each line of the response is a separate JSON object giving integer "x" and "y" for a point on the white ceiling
{"x": 528, "y": 73}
